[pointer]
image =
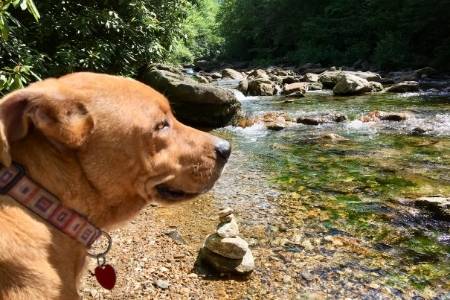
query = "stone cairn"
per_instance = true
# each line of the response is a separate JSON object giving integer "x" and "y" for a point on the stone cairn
{"x": 224, "y": 250}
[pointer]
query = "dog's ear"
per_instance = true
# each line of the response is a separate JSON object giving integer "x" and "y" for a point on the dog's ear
{"x": 63, "y": 120}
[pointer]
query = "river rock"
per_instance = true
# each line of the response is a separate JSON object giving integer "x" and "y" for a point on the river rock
{"x": 229, "y": 228}
{"x": 232, "y": 74}
{"x": 321, "y": 119}
{"x": 243, "y": 86}
{"x": 216, "y": 75}
{"x": 261, "y": 87}
{"x": 201, "y": 79}
{"x": 376, "y": 86}
{"x": 404, "y": 87}
{"x": 437, "y": 204}
{"x": 348, "y": 84}
{"x": 233, "y": 248}
{"x": 258, "y": 74}
{"x": 333, "y": 137}
{"x": 298, "y": 87}
{"x": 311, "y": 77}
{"x": 281, "y": 72}
{"x": 276, "y": 126}
{"x": 193, "y": 102}
{"x": 315, "y": 86}
{"x": 329, "y": 78}
{"x": 375, "y": 116}
{"x": 367, "y": 75}
{"x": 425, "y": 72}
{"x": 298, "y": 94}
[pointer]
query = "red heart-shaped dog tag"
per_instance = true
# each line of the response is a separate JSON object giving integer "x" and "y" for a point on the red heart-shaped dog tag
{"x": 106, "y": 276}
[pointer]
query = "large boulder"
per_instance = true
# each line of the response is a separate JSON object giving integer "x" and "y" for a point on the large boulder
{"x": 348, "y": 84}
{"x": 329, "y": 78}
{"x": 193, "y": 102}
{"x": 261, "y": 87}
{"x": 404, "y": 87}
{"x": 232, "y": 74}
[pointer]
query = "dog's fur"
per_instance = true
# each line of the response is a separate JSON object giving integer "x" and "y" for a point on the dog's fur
{"x": 102, "y": 144}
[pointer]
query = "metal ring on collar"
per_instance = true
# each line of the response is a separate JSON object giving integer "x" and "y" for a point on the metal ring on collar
{"x": 102, "y": 254}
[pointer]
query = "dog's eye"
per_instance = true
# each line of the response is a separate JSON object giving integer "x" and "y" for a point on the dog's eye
{"x": 162, "y": 125}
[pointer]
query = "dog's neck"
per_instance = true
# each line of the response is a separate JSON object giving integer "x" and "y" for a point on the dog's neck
{"x": 61, "y": 173}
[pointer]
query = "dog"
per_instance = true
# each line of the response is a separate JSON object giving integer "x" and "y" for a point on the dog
{"x": 105, "y": 147}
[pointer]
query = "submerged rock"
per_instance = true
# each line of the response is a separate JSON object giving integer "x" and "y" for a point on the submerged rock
{"x": 404, "y": 87}
{"x": 375, "y": 116}
{"x": 333, "y": 137}
{"x": 321, "y": 119}
{"x": 276, "y": 126}
{"x": 194, "y": 102}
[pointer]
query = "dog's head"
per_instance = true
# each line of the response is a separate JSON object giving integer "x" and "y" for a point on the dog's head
{"x": 121, "y": 132}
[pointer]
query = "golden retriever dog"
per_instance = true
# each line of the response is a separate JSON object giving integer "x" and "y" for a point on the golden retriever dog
{"x": 105, "y": 146}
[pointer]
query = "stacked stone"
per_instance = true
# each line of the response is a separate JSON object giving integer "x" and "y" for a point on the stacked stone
{"x": 224, "y": 250}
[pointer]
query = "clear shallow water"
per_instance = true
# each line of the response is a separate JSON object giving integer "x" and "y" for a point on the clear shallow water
{"x": 351, "y": 188}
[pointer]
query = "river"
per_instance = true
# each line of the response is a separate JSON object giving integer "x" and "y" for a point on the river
{"x": 333, "y": 215}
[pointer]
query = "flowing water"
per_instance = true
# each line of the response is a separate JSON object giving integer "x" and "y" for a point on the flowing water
{"x": 337, "y": 210}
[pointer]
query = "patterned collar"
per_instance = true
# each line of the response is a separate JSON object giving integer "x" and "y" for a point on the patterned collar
{"x": 15, "y": 183}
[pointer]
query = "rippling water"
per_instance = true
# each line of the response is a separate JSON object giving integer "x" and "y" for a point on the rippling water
{"x": 356, "y": 186}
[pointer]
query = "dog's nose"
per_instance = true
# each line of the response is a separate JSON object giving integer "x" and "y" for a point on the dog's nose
{"x": 223, "y": 149}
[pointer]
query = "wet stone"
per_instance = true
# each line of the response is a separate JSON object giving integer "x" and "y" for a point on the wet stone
{"x": 321, "y": 119}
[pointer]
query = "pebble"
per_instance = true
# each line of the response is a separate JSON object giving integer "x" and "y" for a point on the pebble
{"x": 162, "y": 284}
{"x": 307, "y": 276}
{"x": 307, "y": 245}
{"x": 176, "y": 236}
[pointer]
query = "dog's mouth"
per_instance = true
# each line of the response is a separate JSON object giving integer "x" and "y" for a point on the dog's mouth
{"x": 168, "y": 193}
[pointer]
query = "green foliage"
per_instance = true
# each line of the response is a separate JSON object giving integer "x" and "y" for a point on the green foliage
{"x": 387, "y": 34}
{"x": 200, "y": 34}
{"x": 14, "y": 77}
{"x": 111, "y": 36}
